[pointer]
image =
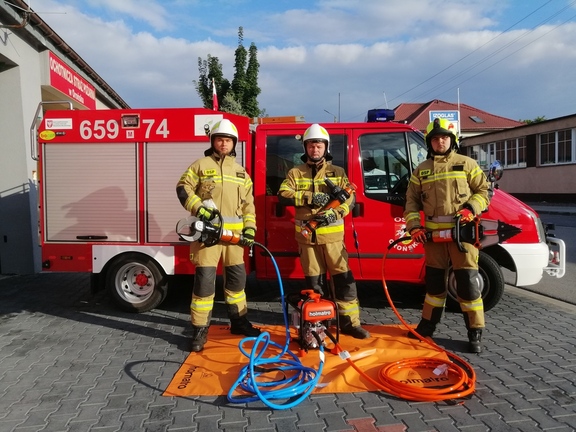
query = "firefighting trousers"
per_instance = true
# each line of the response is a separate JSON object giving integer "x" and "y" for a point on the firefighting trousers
{"x": 234, "y": 276}
{"x": 465, "y": 267}
{"x": 316, "y": 261}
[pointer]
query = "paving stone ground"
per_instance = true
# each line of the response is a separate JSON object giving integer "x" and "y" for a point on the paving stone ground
{"x": 70, "y": 361}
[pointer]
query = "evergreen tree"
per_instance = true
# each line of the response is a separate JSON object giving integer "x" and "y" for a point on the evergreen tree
{"x": 239, "y": 81}
{"x": 250, "y": 101}
{"x": 231, "y": 104}
{"x": 240, "y": 96}
{"x": 208, "y": 69}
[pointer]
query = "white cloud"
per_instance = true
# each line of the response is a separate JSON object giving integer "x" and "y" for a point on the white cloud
{"x": 335, "y": 55}
{"x": 149, "y": 11}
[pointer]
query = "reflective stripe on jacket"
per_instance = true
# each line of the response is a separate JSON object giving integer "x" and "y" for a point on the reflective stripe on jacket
{"x": 440, "y": 187}
{"x": 225, "y": 182}
{"x": 300, "y": 184}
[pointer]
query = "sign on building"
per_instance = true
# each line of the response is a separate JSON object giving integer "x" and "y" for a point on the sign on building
{"x": 66, "y": 80}
{"x": 452, "y": 116}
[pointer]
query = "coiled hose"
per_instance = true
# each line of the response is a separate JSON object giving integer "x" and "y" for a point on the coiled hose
{"x": 298, "y": 381}
{"x": 462, "y": 374}
{"x": 259, "y": 378}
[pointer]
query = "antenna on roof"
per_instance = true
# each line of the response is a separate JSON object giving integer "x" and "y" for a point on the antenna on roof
{"x": 459, "y": 119}
{"x": 25, "y": 18}
{"x": 385, "y": 100}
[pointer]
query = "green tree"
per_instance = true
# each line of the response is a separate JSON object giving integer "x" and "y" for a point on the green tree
{"x": 240, "y": 95}
{"x": 209, "y": 69}
{"x": 250, "y": 100}
{"x": 239, "y": 80}
{"x": 536, "y": 120}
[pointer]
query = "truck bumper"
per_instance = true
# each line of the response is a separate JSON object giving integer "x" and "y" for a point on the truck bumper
{"x": 532, "y": 260}
{"x": 557, "y": 257}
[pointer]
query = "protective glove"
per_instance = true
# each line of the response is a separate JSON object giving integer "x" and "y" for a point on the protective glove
{"x": 320, "y": 199}
{"x": 248, "y": 235}
{"x": 466, "y": 215}
{"x": 205, "y": 213}
{"x": 418, "y": 234}
{"x": 326, "y": 217}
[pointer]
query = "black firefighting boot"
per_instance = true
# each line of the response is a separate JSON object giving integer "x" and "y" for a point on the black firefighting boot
{"x": 425, "y": 328}
{"x": 347, "y": 328}
{"x": 475, "y": 341}
{"x": 199, "y": 338}
{"x": 241, "y": 326}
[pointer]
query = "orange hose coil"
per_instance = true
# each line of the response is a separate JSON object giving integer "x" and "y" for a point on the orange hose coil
{"x": 459, "y": 369}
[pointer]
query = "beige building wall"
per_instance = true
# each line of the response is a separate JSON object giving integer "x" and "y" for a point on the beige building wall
{"x": 535, "y": 181}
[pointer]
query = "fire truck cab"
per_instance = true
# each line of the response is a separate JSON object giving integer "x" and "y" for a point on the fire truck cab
{"x": 108, "y": 206}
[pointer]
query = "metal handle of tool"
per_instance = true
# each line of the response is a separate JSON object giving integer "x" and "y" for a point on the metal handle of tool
{"x": 477, "y": 243}
{"x": 457, "y": 235}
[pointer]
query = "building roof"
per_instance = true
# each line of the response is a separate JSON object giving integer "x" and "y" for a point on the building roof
{"x": 472, "y": 120}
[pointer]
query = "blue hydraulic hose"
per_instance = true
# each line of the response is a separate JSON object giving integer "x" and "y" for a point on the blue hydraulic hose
{"x": 298, "y": 380}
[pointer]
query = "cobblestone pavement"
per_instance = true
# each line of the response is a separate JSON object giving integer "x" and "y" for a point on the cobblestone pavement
{"x": 73, "y": 362}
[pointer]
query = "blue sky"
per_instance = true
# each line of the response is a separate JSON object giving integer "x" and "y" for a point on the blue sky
{"x": 513, "y": 58}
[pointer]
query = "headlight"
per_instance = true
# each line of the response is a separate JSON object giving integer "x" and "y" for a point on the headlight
{"x": 539, "y": 227}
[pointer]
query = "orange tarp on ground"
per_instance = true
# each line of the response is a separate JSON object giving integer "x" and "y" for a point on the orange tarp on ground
{"x": 214, "y": 370}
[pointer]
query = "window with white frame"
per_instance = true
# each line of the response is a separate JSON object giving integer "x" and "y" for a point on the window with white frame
{"x": 557, "y": 147}
{"x": 521, "y": 145}
{"x": 565, "y": 145}
{"x": 501, "y": 152}
{"x": 478, "y": 153}
{"x": 511, "y": 153}
{"x": 515, "y": 152}
{"x": 548, "y": 148}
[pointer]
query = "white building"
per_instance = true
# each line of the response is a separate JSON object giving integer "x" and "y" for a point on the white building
{"x": 37, "y": 69}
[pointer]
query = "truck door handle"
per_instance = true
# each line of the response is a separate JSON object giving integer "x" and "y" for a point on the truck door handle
{"x": 92, "y": 237}
{"x": 358, "y": 210}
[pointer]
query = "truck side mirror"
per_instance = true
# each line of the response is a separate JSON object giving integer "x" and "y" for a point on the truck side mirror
{"x": 495, "y": 171}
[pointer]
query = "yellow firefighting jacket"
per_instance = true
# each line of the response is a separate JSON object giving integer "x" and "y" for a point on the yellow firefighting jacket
{"x": 440, "y": 187}
{"x": 298, "y": 188}
{"x": 225, "y": 182}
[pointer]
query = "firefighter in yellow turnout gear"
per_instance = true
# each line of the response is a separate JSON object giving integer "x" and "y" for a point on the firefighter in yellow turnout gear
{"x": 217, "y": 181}
{"x": 447, "y": 187}
{"x": 324, "y": 250}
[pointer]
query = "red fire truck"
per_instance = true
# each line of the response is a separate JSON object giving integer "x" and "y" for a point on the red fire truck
{"x": 108, "y": 205}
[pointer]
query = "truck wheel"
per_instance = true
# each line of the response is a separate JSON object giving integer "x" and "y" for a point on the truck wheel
{"x": 136, "y": 283}
{"x": 491, "y": 282}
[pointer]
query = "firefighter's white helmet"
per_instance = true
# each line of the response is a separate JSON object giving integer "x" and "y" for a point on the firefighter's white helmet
{"x": 224, "y": 128}
{"x": 316, "y": 132}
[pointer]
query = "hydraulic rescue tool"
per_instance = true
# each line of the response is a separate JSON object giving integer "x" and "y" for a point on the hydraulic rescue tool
{"x": 480, "y": 233}
{"x": 192, "y": 229}
{"x": 338, "y": 195}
